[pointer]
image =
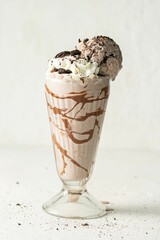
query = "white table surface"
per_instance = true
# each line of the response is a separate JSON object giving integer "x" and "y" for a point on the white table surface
{"x": 129, "y": 180}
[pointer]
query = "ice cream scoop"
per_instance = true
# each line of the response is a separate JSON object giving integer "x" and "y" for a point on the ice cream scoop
{"x": 103, "y": 51}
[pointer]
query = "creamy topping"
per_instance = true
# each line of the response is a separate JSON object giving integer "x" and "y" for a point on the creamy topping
{"x": 99, "y": 56}
{"x": 80, "y": 67}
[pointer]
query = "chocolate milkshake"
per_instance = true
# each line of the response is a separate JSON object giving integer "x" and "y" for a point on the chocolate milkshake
{"x": 76, "y": 110}
{"x": 77, "y": 89}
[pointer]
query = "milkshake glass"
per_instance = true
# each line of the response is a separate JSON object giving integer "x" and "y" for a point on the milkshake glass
{"x": 76, "y": 109}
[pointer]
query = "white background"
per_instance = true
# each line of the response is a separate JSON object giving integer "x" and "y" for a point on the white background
{"x": 33, "y": 31}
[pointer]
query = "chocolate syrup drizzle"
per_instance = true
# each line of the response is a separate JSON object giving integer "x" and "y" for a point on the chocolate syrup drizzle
{"x": 79, "y": 98}
{"x": 64, "y": 153}
{"x": 64, "y": 166}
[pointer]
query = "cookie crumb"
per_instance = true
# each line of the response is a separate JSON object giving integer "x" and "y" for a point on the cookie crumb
{"x": 85, "y": 224}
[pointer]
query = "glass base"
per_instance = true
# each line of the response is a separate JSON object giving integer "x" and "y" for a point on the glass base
{"x": 75, "y": 204}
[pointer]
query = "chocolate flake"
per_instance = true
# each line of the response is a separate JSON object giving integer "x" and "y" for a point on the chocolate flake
{"x": 18, "y": 204}
{"x": 19, "y": 224}
{"x": 79, "y": 40}
{"x": 63, "y": 71}
{"x": 85, "y": 40}
{"x": 111, "y": 55}
{"x": 88, "y": 58}
{"x": 105, "y": 59}
{"x": 62, "y": 54}
{"x": 75, "y": 52}
{"x": 100, "y": 75}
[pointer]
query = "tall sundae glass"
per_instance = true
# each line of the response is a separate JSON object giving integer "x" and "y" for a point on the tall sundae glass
{"x": 77, "y": 88}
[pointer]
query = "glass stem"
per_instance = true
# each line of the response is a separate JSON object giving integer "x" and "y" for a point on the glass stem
{"x": 74, "y": 192}
{"x": 74, "y": 188}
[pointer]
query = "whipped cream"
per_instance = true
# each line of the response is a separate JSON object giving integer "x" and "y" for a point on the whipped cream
{"x": 79, "y": 67}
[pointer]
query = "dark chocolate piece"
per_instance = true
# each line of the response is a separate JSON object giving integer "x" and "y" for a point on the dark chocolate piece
{"x": 63, "y": 71}
{"x": 62, "y": 54}
{"x": 100, "y": 75}
{"x": 75, "y": 52}
{"x": 85, "y": 40}
{"x": 88, "y": 58}
{"x": 104, "y": 59}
